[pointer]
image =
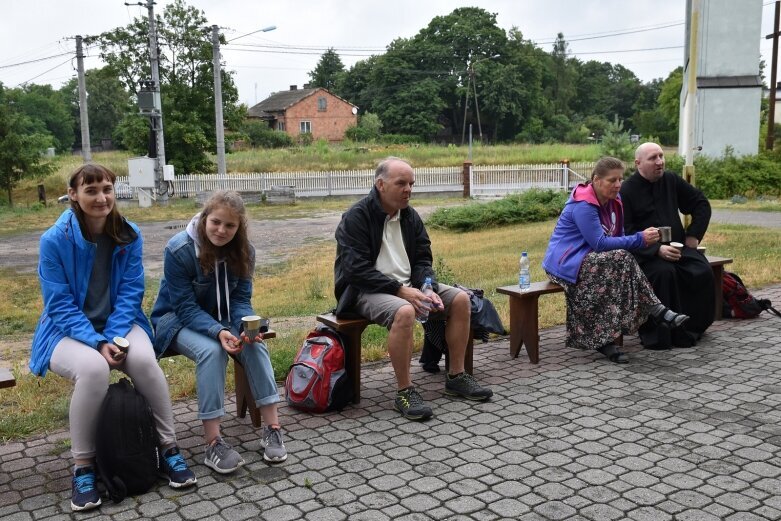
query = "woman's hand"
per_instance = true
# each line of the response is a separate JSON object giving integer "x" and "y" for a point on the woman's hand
{"x": 230, "y": 343}
{"x": 247, "y": 340}
{"x": 650, "y": 236}
{"x": 113, "y": 355}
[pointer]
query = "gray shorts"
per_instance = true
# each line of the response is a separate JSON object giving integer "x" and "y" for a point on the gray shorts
{"x": 381, "y": 308}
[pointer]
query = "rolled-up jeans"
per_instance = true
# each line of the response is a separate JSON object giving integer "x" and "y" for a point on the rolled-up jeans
{"x": 211, "y": 360}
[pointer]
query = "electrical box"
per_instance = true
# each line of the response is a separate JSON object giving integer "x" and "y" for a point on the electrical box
{"x": 141, "y": 172}
{"x": 168, "y": 172}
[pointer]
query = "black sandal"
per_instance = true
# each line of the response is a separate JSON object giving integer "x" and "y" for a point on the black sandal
{"x": 614, "y": 354}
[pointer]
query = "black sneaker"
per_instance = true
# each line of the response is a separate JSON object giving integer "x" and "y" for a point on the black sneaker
{"x": 410, "y": 404}
{"x": 84, "y": 494}
{"x": 176, "y": 470}
{"x": 466, "y": 386}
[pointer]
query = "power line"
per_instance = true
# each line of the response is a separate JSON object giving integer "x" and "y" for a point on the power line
{"x": 35, "y": 61}
{"x": 44, "y": 72}
{"x": 594, "y": 36}
{"x": 630, "y": 50}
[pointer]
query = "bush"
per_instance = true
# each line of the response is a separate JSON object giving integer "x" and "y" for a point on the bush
{"x": 262, "y": 136}
{"x": 530, "y": 206}
{"x": 358, "y": 134}
{"x": 401, "y": 139}
{"x": 616, "y": 142}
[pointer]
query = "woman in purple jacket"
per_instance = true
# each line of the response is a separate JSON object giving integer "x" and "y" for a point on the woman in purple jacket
{"x": 607, "y": 294}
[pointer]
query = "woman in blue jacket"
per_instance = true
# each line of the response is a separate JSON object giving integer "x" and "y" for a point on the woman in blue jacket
{"x": 92, "y": 282}
{"x": 206, "y": 289}
{"x": 607, "y": 293}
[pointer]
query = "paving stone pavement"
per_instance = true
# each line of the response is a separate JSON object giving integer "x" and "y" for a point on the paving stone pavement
{"x": 690, "y": 435}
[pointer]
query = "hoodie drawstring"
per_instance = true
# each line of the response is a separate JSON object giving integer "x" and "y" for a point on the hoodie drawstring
{"x": 217, "y": 286}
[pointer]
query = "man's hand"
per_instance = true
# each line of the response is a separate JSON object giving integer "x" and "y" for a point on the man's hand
{"x": 669, "y": 253}
{"x": 691, "y": 242}
{"x": 247, "y": 340}
{"x": 230, "y": 343}
{"x": 420, "y": 301}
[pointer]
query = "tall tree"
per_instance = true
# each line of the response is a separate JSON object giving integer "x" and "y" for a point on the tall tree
{"x": 186, "y": 80}
{"x": 328, "y": 71}
{"x": 107, "y": 105}
{"x": 21, "y": 147}
{"x": 565, "y": 79}
{"x": 48, "y": 113}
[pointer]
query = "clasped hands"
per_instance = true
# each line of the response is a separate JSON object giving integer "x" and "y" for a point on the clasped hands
{"x": 233, "y": 345}
{"x": 419, "y": 301}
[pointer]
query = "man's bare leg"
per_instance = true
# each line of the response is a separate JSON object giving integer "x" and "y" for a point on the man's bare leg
{"x": 400, "y": 345}
{"x": 457, "y": 331}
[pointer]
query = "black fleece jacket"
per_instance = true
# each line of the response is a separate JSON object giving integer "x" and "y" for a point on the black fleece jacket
{"x": 358, "y": 243}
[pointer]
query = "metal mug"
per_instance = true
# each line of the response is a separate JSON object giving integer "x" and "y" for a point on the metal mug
{"x": 254, "y": 324}
{"x": 665, "y": 234}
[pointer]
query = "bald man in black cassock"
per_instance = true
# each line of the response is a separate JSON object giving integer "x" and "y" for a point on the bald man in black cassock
{"x": 683, "y": 281}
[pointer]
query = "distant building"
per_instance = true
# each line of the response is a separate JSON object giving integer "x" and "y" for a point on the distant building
{"x": 729, "y": 88}
{"x": 316, "y": 111}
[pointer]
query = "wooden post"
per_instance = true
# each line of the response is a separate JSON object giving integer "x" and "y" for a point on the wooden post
{"x": 465, "y": 179}
{"x": 42, "y": 194}
{"x": 771, "y": 113}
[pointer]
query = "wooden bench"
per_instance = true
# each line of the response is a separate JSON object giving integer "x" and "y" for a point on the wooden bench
{"x": 524, "y": 309}
{"x": 244, "y": 399}
{"x": 6, "y": 378}
{"x": 352, "y": 329}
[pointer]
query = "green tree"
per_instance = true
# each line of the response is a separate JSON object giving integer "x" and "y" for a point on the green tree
{"x": 107, "y": 104}
{"x": 670, "y": 97}
{"x": 328, "y": 71}
{"x": 21, "y": 147}
{"x": 186, "y": 77}
{"x": 48, "y": 113}
{"x": 564, "y": 74}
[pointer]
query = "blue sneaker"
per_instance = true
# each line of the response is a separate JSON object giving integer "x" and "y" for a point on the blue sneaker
{"x": 84, "y": 494}
{"x": 179, "y": 475}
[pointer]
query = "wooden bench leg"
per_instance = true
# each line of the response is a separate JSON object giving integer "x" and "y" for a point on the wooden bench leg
{"x": 524, "y": 327}
{"x": 718, "y": 280}
{"x": 244, "y": 398}
{"x": 353, "y": 337}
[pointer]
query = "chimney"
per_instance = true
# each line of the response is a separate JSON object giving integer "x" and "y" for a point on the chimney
{"x": 294, "y": 87}
{"x": 307, "y": 86}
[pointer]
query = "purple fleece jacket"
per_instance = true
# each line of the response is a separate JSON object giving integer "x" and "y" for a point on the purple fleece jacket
{"x": 579, "y": 231}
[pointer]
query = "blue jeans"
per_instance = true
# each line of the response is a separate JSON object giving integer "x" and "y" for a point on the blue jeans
{"x": 211, "y": 361}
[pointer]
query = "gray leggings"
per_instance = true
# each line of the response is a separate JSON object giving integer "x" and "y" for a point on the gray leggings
{"x": 89, "y": 371}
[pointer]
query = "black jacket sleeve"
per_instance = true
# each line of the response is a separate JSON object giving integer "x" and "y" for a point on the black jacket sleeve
{"x": 691, "y": 201}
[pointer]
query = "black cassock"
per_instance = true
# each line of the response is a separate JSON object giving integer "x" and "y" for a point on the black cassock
{"x": 685, "y": 286}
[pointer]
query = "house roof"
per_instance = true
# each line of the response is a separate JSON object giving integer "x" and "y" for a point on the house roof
{"x": 281, "y": 101}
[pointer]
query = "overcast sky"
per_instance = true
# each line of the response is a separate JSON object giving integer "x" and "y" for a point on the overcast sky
{"x": 646, "y": 36}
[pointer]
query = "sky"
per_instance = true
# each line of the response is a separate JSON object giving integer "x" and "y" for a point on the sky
{"x": 646, "y": 36}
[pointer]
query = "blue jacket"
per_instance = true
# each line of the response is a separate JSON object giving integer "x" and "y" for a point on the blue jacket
{"x": 188, "y": 298}
{"x": 579, "y": 231}
{"x": 64, "y": 270}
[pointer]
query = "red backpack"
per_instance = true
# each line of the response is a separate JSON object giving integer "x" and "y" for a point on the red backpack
{"x": 318, "y": 380}
{"x": 738, "y": 302}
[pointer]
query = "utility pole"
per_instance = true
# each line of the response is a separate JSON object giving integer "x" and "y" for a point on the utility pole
{"x": 86, "y": 152}
{"x": 771, "y": 116}
{"x": 471, "y": 75}
{"x": 219, "y": 125}
{"x": 156, "y": 117}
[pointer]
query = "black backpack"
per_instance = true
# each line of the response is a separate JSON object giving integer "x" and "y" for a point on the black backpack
{"x": 738, "y": 302}
{"x": 126, "y": 444}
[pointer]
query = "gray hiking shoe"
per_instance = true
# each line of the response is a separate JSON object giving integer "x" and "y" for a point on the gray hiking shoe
{"x": 221, "y": 458}
{"x": 273, "y": 446}
{"x": 466, "y": 386}
{"x": 411, "y": 405}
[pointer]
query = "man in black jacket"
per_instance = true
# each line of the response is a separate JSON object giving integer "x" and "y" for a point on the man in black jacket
{"x": 682, "y": 279}
{"x": 383, "y": 255}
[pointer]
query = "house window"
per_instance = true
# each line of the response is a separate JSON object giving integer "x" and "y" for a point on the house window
{"x": 322, "y": 104}
{"x": 281, "y": 125}
{"x": 305, "y": 127}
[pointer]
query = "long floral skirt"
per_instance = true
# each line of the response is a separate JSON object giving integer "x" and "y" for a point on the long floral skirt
{"x": 612, "y": 297}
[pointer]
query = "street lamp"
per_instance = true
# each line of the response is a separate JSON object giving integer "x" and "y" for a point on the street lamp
{"x": 471, "y": 80}
{"x": 220, "y": 129}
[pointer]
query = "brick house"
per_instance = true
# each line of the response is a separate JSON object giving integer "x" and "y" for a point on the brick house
{"x": 316, "y": 111}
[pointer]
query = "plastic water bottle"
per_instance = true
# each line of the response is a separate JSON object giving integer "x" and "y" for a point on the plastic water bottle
{"x": 524, "y": 277}
{"x": 428, "y": 291}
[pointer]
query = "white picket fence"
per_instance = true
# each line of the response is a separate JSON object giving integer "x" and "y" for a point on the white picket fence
{"x": 484, "y": 180}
